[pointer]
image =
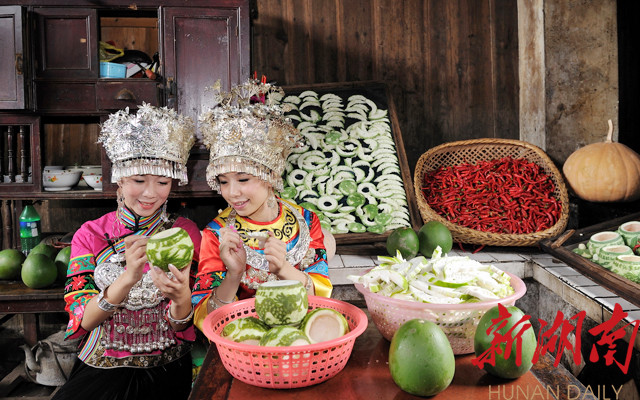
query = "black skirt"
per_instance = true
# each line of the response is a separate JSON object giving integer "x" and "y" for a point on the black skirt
{"x": 170, "y": 381}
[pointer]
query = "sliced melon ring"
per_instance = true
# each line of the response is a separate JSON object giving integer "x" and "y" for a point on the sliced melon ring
{"x": 324, "y": 324}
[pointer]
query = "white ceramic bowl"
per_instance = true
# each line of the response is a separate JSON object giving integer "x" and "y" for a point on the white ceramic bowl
{"x": 57, "y": 180}
{"x": 95, "y": 181}
{"x": 86, "y": 170}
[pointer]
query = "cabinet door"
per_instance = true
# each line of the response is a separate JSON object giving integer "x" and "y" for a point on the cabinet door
{"x": 12, "y": 84}
{"x": 66, "y": 43}
{"x": 202, "y": 45}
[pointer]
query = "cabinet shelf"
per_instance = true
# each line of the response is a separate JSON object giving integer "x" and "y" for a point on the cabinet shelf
{"x": 79, "y": 194}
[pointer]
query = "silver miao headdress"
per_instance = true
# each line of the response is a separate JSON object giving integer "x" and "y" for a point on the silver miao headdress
{"x": 153, "y": 141}
{"x": 247, "y": 131}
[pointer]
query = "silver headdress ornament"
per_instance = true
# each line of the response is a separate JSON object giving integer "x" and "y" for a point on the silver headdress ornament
{"x": 154, "y": 141}
{"x": 247, "y": 131}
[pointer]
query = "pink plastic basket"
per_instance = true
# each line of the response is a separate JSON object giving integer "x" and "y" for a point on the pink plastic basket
{"x": 457, "y": 321}
{"x": 284, "y": 367}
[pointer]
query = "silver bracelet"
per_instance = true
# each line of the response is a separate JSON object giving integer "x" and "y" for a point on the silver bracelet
{"x": 212, "y": 304}
{"x": 104, "y": 304}
{"x": 309, "y": 284}
{"x": 214, "y": 297}
{"x": 183, "y": 321}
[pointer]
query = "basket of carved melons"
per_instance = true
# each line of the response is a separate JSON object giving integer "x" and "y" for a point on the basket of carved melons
{"x": 282, "y": 338}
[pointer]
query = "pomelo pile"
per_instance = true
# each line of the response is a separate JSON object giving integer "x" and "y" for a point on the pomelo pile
{"x": 408, "y": 243}
{"x": 285, "y": 320}
{"x": 44, "y": 265}
{"x": 421, "y": 360}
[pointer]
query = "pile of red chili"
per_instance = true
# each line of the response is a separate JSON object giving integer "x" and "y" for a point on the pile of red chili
{"x": 505, "y": 195}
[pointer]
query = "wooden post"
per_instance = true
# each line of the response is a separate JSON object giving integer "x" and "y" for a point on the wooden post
{"x": 10, "y": 171}
{"x": 1, "y": 157}
{"x": 6, "y": 222}
{"x": 24, "y": 171}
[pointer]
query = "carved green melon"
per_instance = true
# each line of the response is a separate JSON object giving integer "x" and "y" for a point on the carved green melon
{"x": 281, "y": 302}
{"x": 172, "y": 246}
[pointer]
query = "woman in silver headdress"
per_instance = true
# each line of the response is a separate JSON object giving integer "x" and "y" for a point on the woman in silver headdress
{"x": 259, "y": 237}
{"x": 134, "y": 319}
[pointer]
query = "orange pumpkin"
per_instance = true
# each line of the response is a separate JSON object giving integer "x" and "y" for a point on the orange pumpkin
{"x": 604, "y": 172}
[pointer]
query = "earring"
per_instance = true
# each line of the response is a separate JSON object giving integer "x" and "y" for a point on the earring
{"x": 271, "y": 201}
{"x": 120, "y": 201}
{"x": 164, "y": 217}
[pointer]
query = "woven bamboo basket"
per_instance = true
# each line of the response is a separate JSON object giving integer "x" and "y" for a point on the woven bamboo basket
{"x": 472, "y": 151}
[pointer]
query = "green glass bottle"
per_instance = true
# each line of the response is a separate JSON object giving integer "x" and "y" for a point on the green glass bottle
{"x": 29, "y": 228}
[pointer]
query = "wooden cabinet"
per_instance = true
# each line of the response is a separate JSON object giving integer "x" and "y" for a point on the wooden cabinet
{"x": 52, "y": 72}
{"x": 213, "y": 36}
{"x": 66, "y": 43}
{"x": 14, "y": 84}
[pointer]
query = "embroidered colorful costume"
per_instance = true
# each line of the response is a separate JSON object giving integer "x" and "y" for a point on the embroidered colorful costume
{"x": 135, "y": 348}
{"x": 285, "y": 227}
{"x": 90, "y": 248}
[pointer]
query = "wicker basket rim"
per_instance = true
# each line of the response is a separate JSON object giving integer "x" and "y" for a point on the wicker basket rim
{"x": 479, "y": 237}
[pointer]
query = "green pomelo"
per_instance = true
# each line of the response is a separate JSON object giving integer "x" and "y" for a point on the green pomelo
{"x": 10, "y": 263}
{"x": 246, "y": 330}
{"x": 284, "y": 336}
{"x": 172, "y": 246}
{"x": 421, "y": 360}
{"x": 282, "y": 302}
{"x": 323, "y": 324}
{"x": 62, "y": 263}
{"x": 405, "y": 240}
{"x": 46, "y": 249}
{"x": 434, "y": 234}
{"x": 507, "y": 368}
{"x": 38, "y": 271}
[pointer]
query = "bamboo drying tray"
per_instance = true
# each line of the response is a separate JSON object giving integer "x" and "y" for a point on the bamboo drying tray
{"x": 472, "y": 151}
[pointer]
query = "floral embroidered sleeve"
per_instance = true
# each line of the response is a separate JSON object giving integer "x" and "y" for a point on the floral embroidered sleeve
{"x": 80, "y": 286}
{"x": 210, "y": 273}
{"x": 318, "y": 270}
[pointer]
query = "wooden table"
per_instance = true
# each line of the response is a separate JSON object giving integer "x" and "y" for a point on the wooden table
{"x": 16, "y": 298}
{"x": 366, "y": 376}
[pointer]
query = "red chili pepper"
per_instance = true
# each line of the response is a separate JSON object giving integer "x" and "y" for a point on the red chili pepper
{"x": 504, "y": 195}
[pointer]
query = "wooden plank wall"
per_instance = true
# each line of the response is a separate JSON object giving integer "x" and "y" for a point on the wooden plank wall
{"x": 451, "y": 65}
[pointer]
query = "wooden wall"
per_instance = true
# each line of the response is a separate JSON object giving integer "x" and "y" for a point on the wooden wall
{"x": 451, "y": 66}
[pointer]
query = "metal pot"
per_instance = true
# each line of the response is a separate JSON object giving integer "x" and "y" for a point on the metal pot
{"x": 50, "y": 361}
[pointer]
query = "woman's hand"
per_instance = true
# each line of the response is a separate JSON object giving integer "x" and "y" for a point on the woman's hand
{"x": 275, "y": 251}
{"x": 136, "y": 257}
{"x": 175, "y": 286}
{"x": 232, "y": 251}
